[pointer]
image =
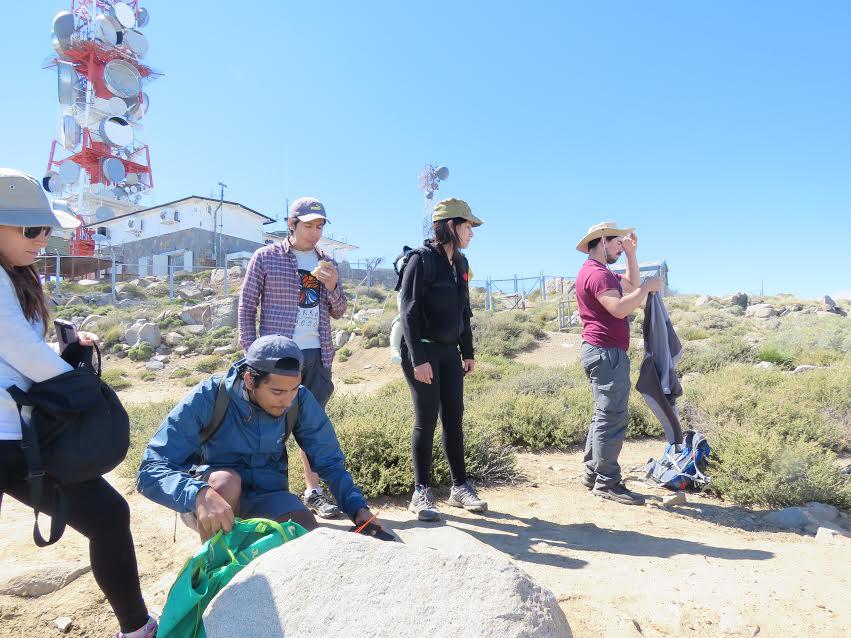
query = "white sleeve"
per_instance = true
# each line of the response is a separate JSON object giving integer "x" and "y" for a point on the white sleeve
{"x": 20, "y": 346}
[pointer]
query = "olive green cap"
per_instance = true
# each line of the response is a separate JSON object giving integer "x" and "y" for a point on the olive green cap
{"x": 452, "y": 208}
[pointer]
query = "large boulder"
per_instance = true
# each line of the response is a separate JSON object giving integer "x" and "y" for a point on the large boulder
{"x": 197, "y": 315}
{"x": 27, "y": 579}
{"x": 224, "y": 312}
{"x": 829, "y": 303}
{"x": 341, "y": 338}
{"x": 150, "y": 333}
{"x": 381, "y": 589}
{"x": 760, "y": 311}
{"x": 174, "y": 339}
{"x": 739, "y": 299}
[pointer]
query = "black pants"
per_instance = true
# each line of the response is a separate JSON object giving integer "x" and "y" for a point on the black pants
{"x": 444, "y": 396}
{"x": 100, "y": 514}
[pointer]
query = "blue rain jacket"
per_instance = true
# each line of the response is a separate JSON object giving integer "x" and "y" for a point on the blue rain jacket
{"x": 249, "y": 440}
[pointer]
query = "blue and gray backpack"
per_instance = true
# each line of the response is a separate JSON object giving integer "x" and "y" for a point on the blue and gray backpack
{"x": 683, "y": 466}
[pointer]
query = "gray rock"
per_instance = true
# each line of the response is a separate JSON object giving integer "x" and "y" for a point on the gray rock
{"x": 174, "y": 339}
{"x": 180, "y": 350}
{"x": 832, "y": 535}
{"x": 190, "y": 291}
{"x": 235, "y": 274}
{"x": 764, "y": 365}
{"x": 791, "y": 518}
{"x": 155, "y": 365}
{"x": 31, "y": 580}
{"x": 75, "y": 301}
{"x": 223, "y": 350}
{"x": 135, "y": 282}
{"x": 89, "y": 322}
{"x": 162, "y": 358}
{"x": 195, "y": 329}
{"x": 829, "y": 304}
{"x": 804, "y": 368}
{"x": 127, "y": 303}
{"x": 150, "y": 333}
{"x": 131, "y": 335}
{"x": 224, "y": 313}
{"x": 341, "y": 338}
{"x": 467, "y": 594}
{"x": 765, "y": 312}
{"x": 702, "y": 300}
{"x": 362, "y": 316}
{"x": 197, "y": 315}
{"x": 739, "y": 299}
{"x": 63, "y": 624}
{"x": 822, "y": 512}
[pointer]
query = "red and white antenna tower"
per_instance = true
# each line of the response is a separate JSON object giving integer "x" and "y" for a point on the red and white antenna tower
{"x": 430, "y": 179}
{"x": 99, "y": 166}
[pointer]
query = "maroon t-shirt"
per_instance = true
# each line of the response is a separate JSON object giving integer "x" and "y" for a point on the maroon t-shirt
{"x": 601, "y": 329}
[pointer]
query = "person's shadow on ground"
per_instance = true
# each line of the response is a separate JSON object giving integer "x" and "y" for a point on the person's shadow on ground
{"x": 544, "y": 542}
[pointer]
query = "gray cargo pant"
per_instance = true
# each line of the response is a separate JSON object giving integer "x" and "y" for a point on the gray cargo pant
{"x": 608, "y": 372}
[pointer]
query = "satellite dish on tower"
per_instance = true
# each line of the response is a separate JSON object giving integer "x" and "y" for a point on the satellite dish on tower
{"x": 103, "y": 213}
{"x": 442, "y": 173}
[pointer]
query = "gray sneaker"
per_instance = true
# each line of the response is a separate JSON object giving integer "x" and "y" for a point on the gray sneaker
{"x": 620, "y": 494}
{"x": 422, "y": 504}
{"x": 321, "y": 506}
{"x": 466, "y": 496}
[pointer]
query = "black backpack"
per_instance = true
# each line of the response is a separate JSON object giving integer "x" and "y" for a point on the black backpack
{"x": 401, "y": 262}
{"x": 221, "y": 408}
{"x": 78, "y": 432}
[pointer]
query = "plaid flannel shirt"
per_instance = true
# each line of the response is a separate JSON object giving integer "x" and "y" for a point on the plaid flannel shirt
{"x": 272, "y": 282}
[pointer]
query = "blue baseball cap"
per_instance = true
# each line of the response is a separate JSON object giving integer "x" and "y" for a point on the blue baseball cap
{"x": 306, "y": 209}
{"x": 275, "y": 354}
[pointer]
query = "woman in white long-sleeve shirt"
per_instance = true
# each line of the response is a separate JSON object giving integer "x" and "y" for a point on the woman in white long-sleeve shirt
{"x": 95, "y": 509}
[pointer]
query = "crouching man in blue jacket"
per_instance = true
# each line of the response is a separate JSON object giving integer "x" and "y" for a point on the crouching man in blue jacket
{"x": 241, "y": 470}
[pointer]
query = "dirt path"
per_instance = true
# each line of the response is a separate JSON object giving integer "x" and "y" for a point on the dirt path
{"x": 705, "y": 569}
{"x": 557, "y": 349}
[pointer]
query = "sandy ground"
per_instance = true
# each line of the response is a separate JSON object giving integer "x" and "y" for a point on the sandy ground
{"x": 698, "y": 570}
{"x": 704, "y": 569}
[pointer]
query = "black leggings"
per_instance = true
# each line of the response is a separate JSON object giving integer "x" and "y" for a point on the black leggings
{"x": 100, "y": 514}
{"x": 444, "y": 396}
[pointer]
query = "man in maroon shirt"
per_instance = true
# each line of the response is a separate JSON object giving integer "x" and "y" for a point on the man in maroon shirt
{"x": 605, "y": 301}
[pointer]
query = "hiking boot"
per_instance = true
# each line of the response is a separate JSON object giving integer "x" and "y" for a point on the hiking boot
{"x": 321, "y": 506}
{"x": 619, "y": 494}
{"x": 466, "y": 496}
{"x": 148, "y": 631}
{"x": 422, "y": 504}
{"x": 588, "y": 480}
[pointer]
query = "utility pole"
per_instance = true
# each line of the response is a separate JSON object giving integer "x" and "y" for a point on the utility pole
{"x": 216, "y": 233}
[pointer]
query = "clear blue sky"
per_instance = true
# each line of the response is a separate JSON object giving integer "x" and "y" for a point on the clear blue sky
{"x": 721, "y": 130}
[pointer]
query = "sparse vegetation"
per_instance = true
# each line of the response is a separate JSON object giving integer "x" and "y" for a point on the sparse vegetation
{"x": 142, "y": 351}
{"x": 116, "y": 379}
{"x": 211, "y": 364}
{"x": 343, "y": 354}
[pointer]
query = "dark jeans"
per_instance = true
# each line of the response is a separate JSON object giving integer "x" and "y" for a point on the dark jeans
{"x": 100, "y": 514}
{"x": 316, "y": 377}
{"x": 608, "y": 372}
{"x": 444, "y": 396}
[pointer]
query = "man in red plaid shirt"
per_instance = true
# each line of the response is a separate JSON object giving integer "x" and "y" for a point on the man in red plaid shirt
{"x": 297, "y": 288}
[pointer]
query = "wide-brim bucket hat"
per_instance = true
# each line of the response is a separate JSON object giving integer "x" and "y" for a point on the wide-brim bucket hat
{"x": 603, "y": 229}
{"x": 23, "y": 202}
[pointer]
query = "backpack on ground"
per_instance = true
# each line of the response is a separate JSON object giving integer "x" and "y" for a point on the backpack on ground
{"x": 220, "y": 409}
{"x": 682, "y": 467}
{"x": 78, "y": 432}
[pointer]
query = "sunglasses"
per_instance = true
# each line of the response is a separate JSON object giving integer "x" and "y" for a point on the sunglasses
{"x": 34, "y": 232}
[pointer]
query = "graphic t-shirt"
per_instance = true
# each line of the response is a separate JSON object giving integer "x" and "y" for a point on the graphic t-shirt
{"x": 601, "y": 328}
{"x": 306, "y": 333}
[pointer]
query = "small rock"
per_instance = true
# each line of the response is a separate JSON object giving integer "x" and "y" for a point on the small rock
{"x": 764, "y": 365}
{"x": 174, "y": 339}
{"x": 195, "y": 329}
{"x": 702, "y": 300}
{"x": 181, "y": 350}
{"x": 830, "y": 536}
{"x": 678, "y": 498}
{"x": 803, "y": 368}
{"x": 155, "y": 365}
{"x": 224, "y": 350}
{"x": 88, "y": 322}
{"x": 75, "y": 301}
{"x": 63, "y": 624}
{"x": 162, "y": 358}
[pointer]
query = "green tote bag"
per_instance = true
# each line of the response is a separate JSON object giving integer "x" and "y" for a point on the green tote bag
{"x": 208, "y": 571}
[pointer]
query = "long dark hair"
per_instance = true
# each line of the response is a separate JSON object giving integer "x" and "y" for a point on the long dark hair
{"x": 443, "y": 232}
{"x": 30, "y": 293}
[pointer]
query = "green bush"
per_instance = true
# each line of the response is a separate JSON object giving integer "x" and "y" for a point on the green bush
{"x": 145, "y": 418}
{"x": 715, "y": 354}
{"x": 504, "y": 334}
{"x": 772, "y": 354}
{"x": 343, "y": 354}
{"x": 137, "y": 292}
{"x": 116, "y": 379}
{"x": 112, "y": 335}
{"x": 142, "y": 351}
{"x": 171, "y": 322}
{"x": 191, "y": 382}
{"x": 692, "y": 333}
{"x": 148, "y": 375}
{"x": 180, "y": 373}
{"x": 206, "y": 343}
{"x": 211, "y": 364}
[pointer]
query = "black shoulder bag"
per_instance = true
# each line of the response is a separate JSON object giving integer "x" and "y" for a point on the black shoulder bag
{"x": 78, "y": 432}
